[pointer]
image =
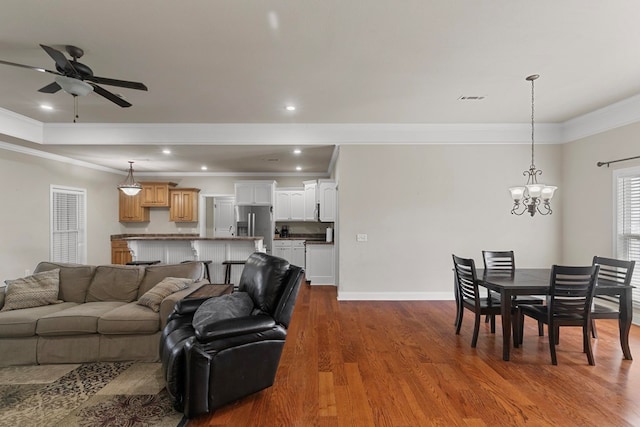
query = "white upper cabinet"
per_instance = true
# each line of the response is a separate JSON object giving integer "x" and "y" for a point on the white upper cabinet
{"x": 320, "y": 200}
{"x": 254, "y": 193}
{"x": 290, "y": 205}
{"x": 310, "y": 201}
{"x": 327, "y": 194}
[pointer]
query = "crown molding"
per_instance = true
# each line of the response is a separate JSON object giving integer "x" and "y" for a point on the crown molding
{"x": 613, "y": 116}
{"x": 16, "y": 126}
{"x": 49, "y": 156}
{"x": 295, "y": 134}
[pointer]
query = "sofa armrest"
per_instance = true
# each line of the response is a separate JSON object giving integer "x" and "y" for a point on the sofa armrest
{"x": 167, "y": 304}
{"x": 234, "y": 327}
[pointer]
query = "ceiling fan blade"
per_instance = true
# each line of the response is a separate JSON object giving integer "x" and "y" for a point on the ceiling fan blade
{"x": 50, "y": 88}
{"x": 114, "y": 82}
{"x": 61, "y": 60}
{"x": 110, "y": 96}
{"x": 42, "y": 70}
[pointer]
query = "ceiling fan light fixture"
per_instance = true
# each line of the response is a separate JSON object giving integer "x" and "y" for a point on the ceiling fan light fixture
{"x": 73, "y": 86}
{"x": 129, "y": 186}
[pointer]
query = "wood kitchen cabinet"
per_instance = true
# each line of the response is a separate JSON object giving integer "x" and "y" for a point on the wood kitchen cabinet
{"x": 156, "y": 194}
{"x": 289, "y": 205}
{"x": 120, "y": 253}
{"x": 310, "y": 201}
{"x": 130, "y": 208}
{"x": 184, "y": 204}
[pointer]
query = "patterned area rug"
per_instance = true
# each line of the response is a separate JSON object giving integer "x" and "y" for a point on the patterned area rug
{"x": 89, "y": 395}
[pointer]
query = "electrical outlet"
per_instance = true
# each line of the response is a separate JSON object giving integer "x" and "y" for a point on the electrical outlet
{"x": 361, "y": 237}
{"x": 27, "y": 272}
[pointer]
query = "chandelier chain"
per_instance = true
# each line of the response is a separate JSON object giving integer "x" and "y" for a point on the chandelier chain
{"x": 533, "y": 166}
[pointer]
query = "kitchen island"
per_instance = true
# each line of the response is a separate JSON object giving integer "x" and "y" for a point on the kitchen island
{"x": 175, "y": 249}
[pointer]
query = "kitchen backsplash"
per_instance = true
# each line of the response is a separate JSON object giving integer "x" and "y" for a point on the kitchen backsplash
{"x": 305, "y": 227}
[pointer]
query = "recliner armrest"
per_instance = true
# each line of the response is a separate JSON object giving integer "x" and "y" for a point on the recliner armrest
{"x": 188, "y": 305}
{"x": 234, "y": 327}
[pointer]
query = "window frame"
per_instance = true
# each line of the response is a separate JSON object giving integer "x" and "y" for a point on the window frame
{"x": 81, "y": 253}
{"x": 617, "y": 175}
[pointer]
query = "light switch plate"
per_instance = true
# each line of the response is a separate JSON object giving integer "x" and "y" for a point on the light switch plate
{"x": 361, "y": 237}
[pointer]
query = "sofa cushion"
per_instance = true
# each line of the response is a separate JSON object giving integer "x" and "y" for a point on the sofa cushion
{"x": 81, "y": 319}
{"x": 22, "y": 323}
{"x": 74, "y": 279}
{"x": 115, "y": 283}
{"x": 155, "y": 273}
{"x": 167, "y": 286}
{"x": 129, "y": 319}
{"x": 32, "y": 291}
{"x": 237, "y": 304}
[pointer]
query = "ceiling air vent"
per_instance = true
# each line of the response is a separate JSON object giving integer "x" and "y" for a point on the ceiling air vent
{"x": 471, "y": 98}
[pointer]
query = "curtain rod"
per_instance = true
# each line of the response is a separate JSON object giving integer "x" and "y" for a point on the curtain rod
{"x": 616, "y": 161}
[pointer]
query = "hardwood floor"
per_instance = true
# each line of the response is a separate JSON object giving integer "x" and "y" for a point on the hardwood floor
{"x": 372, "y": 363}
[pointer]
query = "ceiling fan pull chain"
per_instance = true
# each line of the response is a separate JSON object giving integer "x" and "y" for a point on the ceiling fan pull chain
{"x": 75, "y": 108}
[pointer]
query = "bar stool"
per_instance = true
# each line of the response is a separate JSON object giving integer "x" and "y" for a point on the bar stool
{"x": 206, "y": 263}
{"x": 227, "y": 270}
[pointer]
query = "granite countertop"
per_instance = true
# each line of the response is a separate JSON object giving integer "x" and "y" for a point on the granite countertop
{"x": 179, "y": 237}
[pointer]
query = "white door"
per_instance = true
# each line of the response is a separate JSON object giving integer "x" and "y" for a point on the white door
{"x": 224, "y": 218}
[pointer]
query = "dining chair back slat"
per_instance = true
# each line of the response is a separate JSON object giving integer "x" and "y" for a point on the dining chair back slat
{"x": 468, "y": 295}
{"x": 571, "y": 291}
{"x": 499, "y": 262}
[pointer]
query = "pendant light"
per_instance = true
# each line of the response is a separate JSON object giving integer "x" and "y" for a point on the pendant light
{"x": 129, "y": 186}
{"x": 533, "y": 197}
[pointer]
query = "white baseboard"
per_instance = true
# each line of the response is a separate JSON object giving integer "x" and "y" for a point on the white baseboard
{"x": 395, "y": 296}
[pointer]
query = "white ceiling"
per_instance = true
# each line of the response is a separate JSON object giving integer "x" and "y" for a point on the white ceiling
{"x": 355, "y": 61}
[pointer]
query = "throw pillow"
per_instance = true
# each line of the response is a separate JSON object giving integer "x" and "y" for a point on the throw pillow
{"x": 237, "y": 304}
{"x": 32, "y": 291}
{"x": 167, "y": 286}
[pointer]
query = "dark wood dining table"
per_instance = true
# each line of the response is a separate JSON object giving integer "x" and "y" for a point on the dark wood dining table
{"x": 535, "y": 281}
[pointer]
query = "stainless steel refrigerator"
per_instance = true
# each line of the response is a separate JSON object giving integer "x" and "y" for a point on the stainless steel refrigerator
{"x": 256, "y": 221}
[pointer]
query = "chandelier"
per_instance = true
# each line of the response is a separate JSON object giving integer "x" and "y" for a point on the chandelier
{"x": 129, "y": 186}
{"x": 533, "y": 196}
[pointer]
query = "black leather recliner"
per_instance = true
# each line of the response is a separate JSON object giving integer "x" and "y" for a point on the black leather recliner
{"x": 208, "y": 367}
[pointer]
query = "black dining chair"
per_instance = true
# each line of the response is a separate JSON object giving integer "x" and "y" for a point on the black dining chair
{"x": 571, "y": 292}
{"x": 503, "y": 263}
{"x": 468, "y": 296}
{"x": 613, "y": 272}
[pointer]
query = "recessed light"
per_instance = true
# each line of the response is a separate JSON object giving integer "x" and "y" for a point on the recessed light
{"x": 297, "y": 151}
{"x": 166, "y": 151}
{"x": 204, "y": 168}
{"x": 290, "y": 108}
{"x": 46, "y": 107}
{"x": 298, "y": 168}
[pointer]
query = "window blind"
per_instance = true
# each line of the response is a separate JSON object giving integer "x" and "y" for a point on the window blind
{"x": 628, "y": 226}
{"x": 68, "y": 225}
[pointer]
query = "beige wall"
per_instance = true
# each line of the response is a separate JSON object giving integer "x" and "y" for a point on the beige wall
{"x": 24, "y": 217}
{"x": 588, "y": 191}
{"x": 418, "y": 204}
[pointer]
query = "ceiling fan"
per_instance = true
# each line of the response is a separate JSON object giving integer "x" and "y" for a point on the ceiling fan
{"x": 76, "y": 78}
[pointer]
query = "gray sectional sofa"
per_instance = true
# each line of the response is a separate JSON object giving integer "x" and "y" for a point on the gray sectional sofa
{"x": 98, "y": 318}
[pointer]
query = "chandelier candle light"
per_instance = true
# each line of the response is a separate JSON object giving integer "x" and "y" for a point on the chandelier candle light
{"x": 129, "y": 186}
{"x": 529, "y": 197}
